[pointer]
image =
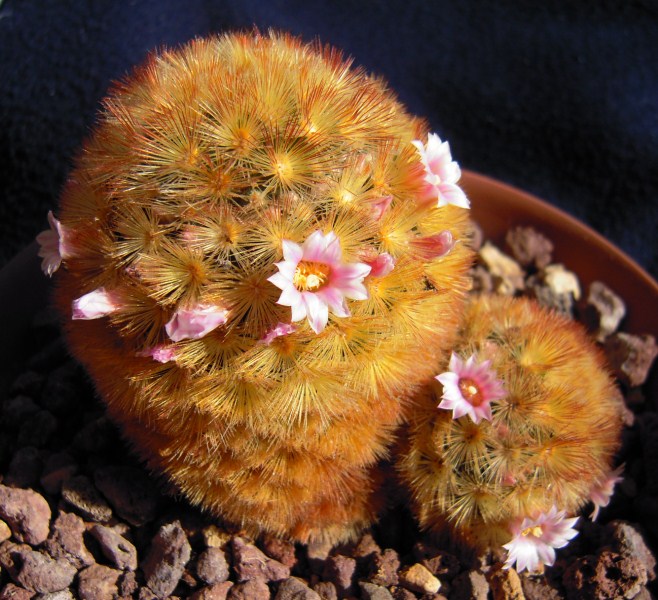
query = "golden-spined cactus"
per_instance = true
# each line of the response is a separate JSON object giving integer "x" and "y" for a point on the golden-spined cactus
{"x": 517, "y": 432}
{"x": 263, "y": 259}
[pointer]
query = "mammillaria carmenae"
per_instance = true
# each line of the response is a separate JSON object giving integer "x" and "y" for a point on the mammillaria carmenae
{"x": 518, "y": 432}
{"x": 263, "y": 261}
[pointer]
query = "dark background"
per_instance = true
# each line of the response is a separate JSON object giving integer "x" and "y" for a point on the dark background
{"x": 560, "y": 99}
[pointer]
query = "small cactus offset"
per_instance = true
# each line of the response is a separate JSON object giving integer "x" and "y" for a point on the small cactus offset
{"x": 262, "y": 257}
{"x": 518, "y": 432}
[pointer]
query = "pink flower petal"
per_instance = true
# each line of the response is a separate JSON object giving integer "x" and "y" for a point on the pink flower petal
{"x": 279, "y": 330}
{"x": 196, "y": 322}
{"x": 53, "y": 245}
{"x": 161, "y": 353}
{"x": 380, "y": 206}
{"x": 601, "y": 493}
{"x": 317, "y": 312}
{"x": 93, "y": 305}
{"x": 441, "y": 172}
{"x": 382, "y": 265}
{"x": 292, "y": 252}
{"x": 433, "y": 246}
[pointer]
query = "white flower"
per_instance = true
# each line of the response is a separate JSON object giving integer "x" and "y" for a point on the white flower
{"x": 535, "y": 540}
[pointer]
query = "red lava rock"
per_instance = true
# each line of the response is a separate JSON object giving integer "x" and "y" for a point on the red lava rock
{"x": 537, "y": 587}
{"x": 602, "y": 311}
{"x": 166, "y": 559}
{"x": 546, "y": 296}
{"x": 470, "y": 585}
{"x": 317, "y": 552}
{"x": 326, "y": 590}
{"x": 66, "y": 540}
{"x": 5, "y": 532}
{"x": 27, "y": 514}
{"x": 631, "y": 356}
{"x": 384, "y": 568}
{"x": 529, "y": 247}
{"x": 25, "y": 468}
{"x": 98, "y": 582}
{"x": 341, "y": 571}
{"x": 371, "y": 591}
{"x": 608, "y": 575}
{"x": 295, "y": 589}
{"x": 212, "y": 567}
{"x": 505, "y": 584}
{"x": 131, "y": 492}
{"x": 28, "y": 383}
{"x": 81, "y": 494}
{"x": 418, "y": 579}
{"x": 39, "y": 572}
{"x": 254, "y": 589}
{"x": 13, "y": 592}
{"x": 17, "y": 410}
{"x": 127, "y": 584}
{"x": 217, "y": 591}
{"x": 59, "y": 467}
{"x": 96, "y": 436}
{"x": 366, "y": 548}
{"x": 400, "y": 593}
{"x": 117, "y": 549}
{"x": 252, "y": 563}
{"x": 278, "y": 549}
{"x": 628, "y": 541}
{"x": 37, "y": 429}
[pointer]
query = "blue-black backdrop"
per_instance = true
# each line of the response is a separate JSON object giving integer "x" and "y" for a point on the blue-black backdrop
{"x": 558, "y": 98}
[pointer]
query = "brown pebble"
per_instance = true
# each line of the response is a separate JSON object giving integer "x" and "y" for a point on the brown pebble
{"x": 505, "y": 584}
{"x": 98, "y": 582}
{"x": 250, "y": 562}
{"x": 117, "y": 549}
{"x": 372, "y": 591}
{"x": 384, "y": 568}
{"x": 5, "y": 532}
{"x": 341, "y": 571}
{"x": 212, "y": 567}
{"x": 418, "y": 579}
{"x": 37, "y": 429}
{"x": 295, "y": 589}
{"x": 529, "y": 247}
{"x": 14, "y": 592}
{"x": 602, "y": 311}
{"x": 132, "y": 493}
{"x": 58, "y": 468}
{"x": 254, "y": 589}
{"x": 217, "y": 591}
{"x": 66, "y": 540}
{"x": 214, "y": 537}
{"x": 317, "y": 552}
{"x": 27, "y": 514}
{"x": 470, "y": 585}
{"x": 400, "y": 593}
{"x": 127, "y": 584}
{"x": 25, "y": 468}
{"x": 628, "y": 541}
{"x": 38, "y": 572}
{"x": 506, "y": 273}
{"x": 631, "y": 356}
{"x": 166, "y": 559}
{"x": 61, "y": 595}
{"x": 537, "y": 587}
{"x": 28, "y": 383}
{"x": 481, "y": 280}
{"x": 326, "y": 590}
{"x": 278, "y": 549}
{"x": 607, "y": 575}
{"x": 366, "y": 547}
{"x": 17, "y": 410}
{"x": 81, "y": 494}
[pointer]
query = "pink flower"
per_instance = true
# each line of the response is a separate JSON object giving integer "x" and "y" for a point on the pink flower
{"x": 279, "y": 330}
{"x": 52, "y": 245}
{"x": 313, "y": 279}
{"x": 94, "y": 305}
{"x": 433, "y": 246}
{"x": 534, "y": 540}
{"x": 602, "y": 492}
{"x": 380, "y": 206}
{"x": 469, "y": 388}
{"x": 162, "y": 354}
{"x": 196, "y": 322}
{"x": 381, "y": 265}
{"x": 441, "y": 172}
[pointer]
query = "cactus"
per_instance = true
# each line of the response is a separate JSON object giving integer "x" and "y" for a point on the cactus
{"x": 518, "y": 430}
{"x": 262, "y": 260}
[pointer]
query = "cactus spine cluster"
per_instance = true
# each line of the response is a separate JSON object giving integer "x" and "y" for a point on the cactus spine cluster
{"x": 212, "y": 166}
{"x": 549, "y": 441}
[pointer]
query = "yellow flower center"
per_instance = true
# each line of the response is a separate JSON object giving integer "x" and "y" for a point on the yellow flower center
{"x": 470, "y": 391}
{"x": 310, "y": 276}
{"x": 535, "y": 531}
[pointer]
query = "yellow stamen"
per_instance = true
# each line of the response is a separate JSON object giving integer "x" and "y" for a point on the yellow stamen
{"x": 310, "y": 276}
{"x": 470, "y": 391}
{"x": 535, "y": 531}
